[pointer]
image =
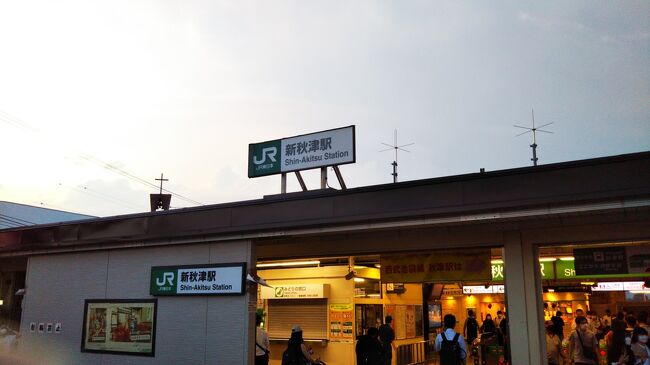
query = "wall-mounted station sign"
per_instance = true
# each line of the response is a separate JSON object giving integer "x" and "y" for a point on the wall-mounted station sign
{"x": 211, "y": 279}
{"x": 308, "y": 151}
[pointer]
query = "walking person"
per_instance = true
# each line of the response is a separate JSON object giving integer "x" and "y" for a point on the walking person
{"x": 583, "y": 345}
{"x": 386, "y": 337}
{"x": 470, "y": 328}
{"x": 262, "y": 344}
{"x": 553, "y": 345}
{"x": 368, "y": 349}
{"x": 450, "y": 344}
{"x": 488, "y": 325}
{"x": 297, "y": 352}
{"x": 558, "y": 325}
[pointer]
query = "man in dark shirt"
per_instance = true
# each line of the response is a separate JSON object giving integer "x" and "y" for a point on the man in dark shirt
{"x": 369, "y": 350}
{"x": 386, "y": 336}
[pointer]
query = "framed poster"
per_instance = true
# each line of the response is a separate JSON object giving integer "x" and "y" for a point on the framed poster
{"x": 119, "y": 326}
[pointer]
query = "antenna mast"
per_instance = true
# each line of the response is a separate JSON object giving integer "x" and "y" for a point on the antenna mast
{"x": 395, "y": 147}
{"x": 534, "y": 130}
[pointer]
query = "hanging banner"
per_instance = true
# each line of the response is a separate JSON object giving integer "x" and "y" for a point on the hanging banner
{"x": 309, "y": 151}
{"x": 466, "y": 266}
{"x": 613, "y": 261}
{"x": 341, "y": 322}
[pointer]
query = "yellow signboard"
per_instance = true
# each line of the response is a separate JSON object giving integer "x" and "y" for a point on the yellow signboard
{"x": 469, "y": 265}
{"x": 341, "y": 322}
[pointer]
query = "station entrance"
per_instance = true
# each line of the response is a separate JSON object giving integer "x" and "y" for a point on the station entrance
{"x": 337, "y": 299}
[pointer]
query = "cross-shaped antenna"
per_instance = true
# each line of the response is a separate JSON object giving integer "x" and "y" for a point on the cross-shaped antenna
{"x": 161, "y": 181}
{"x": 534, "y": 130}
{"x": 395, "y": 147}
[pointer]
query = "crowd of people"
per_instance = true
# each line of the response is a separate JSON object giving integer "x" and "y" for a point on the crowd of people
{"x": 625, "y": 337}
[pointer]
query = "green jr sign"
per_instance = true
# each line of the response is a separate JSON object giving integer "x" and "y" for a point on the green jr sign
{"x": 264, "y": 158}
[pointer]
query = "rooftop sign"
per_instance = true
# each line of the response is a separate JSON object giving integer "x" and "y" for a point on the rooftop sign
{"x": 308, "y": 151}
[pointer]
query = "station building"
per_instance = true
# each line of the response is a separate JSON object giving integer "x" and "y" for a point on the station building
{"x": 526, "y": 242}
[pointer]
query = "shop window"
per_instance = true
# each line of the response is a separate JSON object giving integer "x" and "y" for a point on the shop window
{"x": 367, "y": 288}
{"x": 368, "y": 315}
{"x": 309, "y": 314}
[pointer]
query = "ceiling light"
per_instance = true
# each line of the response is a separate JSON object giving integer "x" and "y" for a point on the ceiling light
{"x": 547, "y": 259}
{"x": 498, "y": 261}
{"x": 378, "y": 266}
{"x": 551, "y": 290}
{"x": 567, "y": 258}
{"x": 289, "y": 263}
{"x": 359, "y": 280}
{"x": 589, "y": 283}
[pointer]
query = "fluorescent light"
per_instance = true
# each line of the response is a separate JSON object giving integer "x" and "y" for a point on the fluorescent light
{"x": 289, "y": 263}
{"x": 567, "y": 258}
{"x": 359, "y": 280}
{"x": 550, "y": 290}
{"x": 378, "y": 266}
{"x": 640, "y": 291}
{"x": 450, "y": 298}
{"x": 547, "y": 259}
{"x": 499, "y": 261}
{"x": 2, "y": 302}
{"x": 589, "y": 283}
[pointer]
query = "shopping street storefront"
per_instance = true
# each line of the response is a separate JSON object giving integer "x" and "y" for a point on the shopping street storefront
{"x": 170, "y": 287}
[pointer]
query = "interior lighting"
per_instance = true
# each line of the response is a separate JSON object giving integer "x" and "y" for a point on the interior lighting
{"x": 567, "y": 258}
{"x": 588, "y": 283}
{"x": 547, "y": 259}
{"x": 359, "y": 280}
{"x": 640, "y": 291}
{"x": 551, "y": 290}
{"x": 2, "y": 302}
{"x": 450, "y": 298}
{"x": 290, "y": 263}
{"x": 497, "y": 261}
{"x": 378, "y": 266}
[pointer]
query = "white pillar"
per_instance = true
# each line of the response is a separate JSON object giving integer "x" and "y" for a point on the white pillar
{"x": 523, "y": 295}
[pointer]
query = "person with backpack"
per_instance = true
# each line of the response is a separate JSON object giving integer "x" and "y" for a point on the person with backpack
{"x": 470, "y": 328}
{"x": 583, "y": 346}
{"x": 297, "y": 352}
{"x": 449, "y": 344}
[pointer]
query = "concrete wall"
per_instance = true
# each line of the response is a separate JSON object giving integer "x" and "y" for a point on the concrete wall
{"x": 190, "y": 330}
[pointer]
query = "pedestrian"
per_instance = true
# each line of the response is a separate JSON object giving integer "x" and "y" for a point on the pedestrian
{"x": 642, "y": 321}
{"x": 368, "y": 349}
{"x": 488, "y": 325}
{"x": 386, "y": 337}
{"x": 639, "y": 346}
{"x": 579, "y": 313}
{"x": 297, "y": 352}
{"x": 583, "y": 345}
{"x": 553, "y": 345}
{"x": 470, "y": 328}
{"x": 558, "y": 325}
{"x": 449, "y": 344}
{"x": 262, "y": 344}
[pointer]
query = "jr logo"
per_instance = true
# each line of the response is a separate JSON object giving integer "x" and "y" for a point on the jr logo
{"x": 167, "y": 277}
{"x": 267, "y": 151}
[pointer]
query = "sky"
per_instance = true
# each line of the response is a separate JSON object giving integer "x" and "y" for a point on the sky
{"x": 98, "y": 98}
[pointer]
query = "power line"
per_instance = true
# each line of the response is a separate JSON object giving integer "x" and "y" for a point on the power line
{"x": 6, "y": 117}
{"x": 98, "y": 195}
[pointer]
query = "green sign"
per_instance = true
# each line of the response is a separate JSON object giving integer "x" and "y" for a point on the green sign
{"x": 545, "y": 270}
{"x": 264, "y": 158}
{"x": 212, "y": 279}
{"x": 327, "y": 148}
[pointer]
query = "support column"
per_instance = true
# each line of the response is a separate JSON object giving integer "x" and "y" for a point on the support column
{"x": 523, "y": 295}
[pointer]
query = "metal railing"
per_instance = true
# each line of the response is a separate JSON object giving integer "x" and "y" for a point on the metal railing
{"x": 421, "y": 352}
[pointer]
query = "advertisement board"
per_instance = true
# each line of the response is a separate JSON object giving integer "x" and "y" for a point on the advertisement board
{"x": 341, "y": 322}
{"x": 308, "y": 151}
{"x": 120, "y": 326}
{"x": 466, "y": 266}
{"x": 211, "y": 279}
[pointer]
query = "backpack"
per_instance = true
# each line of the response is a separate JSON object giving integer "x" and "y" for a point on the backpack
{"x": 450, "y": 351}
{"x": 289, "y": 359}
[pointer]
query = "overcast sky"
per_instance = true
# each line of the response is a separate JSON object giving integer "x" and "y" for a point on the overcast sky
{"x": 182, "y": 87}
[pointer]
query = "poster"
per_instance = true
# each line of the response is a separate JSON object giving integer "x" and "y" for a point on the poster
{"x": 125, "y": 326}
{"x": 341, "y": 322}
{"x": 410, "y": 321}
{"x": 440, "y": 266}
{"x": 399, "y": 320}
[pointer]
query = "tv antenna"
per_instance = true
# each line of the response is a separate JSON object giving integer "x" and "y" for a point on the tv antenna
{"x": 534, "y": 130}
{"x": 395, "y": 147}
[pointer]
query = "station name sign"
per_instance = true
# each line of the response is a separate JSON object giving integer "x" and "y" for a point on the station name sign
{"x": 309, "y": 151}
{"x": 211, "y": 279}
